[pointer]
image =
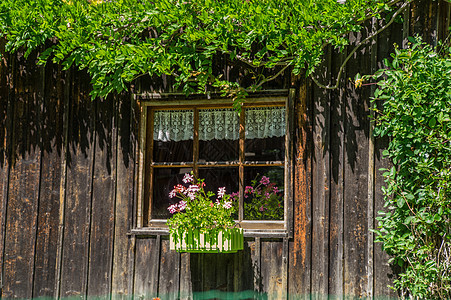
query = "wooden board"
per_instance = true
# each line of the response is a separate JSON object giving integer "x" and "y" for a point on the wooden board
{"x": 300, "y": 248}
{"x": 124, "y": 198}
{"x": 271, "y": 271}
{"x": 103, "y": 199}
{"x": 48, "y": 214}
{"x": 5, "y": 132}
{"x": 321, "y": 180}
{"x": 80, "y": 159}
{"x": 147, "y": 266}
{"x": 23, "y": 191}
{"x": 356, "y": 128}
{"x": 336, "y": 181}
{"x": 169, "y": 284}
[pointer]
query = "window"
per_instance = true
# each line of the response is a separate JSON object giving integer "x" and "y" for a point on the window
{"x": 248, "y": 153}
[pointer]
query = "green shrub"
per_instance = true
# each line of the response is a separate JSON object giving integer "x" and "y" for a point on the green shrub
{"x": 415, "y": 113}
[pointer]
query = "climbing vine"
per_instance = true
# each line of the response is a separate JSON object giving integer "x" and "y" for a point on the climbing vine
{"x": 117, "y": 41}
{"x": 415, "y": 113}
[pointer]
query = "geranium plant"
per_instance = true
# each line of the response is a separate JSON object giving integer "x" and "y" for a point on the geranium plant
{"x": 198, "y": 208}
{"x": 264, "y": 200}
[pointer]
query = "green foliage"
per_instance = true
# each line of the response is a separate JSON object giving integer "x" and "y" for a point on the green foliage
{"x": 199, "y": 209}
{"x": 117, "y": 41}
{"x": 415, "y": 94}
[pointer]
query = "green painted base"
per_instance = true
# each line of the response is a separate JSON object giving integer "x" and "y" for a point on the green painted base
{"x": 192, "y": 241}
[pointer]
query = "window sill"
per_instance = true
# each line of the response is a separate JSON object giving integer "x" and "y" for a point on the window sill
{"x": 262, "y": 229}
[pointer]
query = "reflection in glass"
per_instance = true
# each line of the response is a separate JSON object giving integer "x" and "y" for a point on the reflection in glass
{"x": 218, "y": 134}
{"x": 181, "y": 151}
{"x": 263, "y": 193}
{"x": 267, "y": 149}
{"x": 164, "y": 181}
{"x": 221, "y": 177}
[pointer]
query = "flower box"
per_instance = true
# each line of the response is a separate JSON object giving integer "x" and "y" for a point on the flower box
{"x": 228, "y": 240}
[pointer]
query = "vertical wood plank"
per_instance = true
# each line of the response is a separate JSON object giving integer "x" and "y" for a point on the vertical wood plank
{"x": 124, "y": 198}
{"x": 6, "y": 120}
{"x": 336, "y": 182}
{"x": 271, "y": 262}
{"x": 23, "y": 191}
{"x": 300, "y": 249}
{"x": 146, "y": 268}
{"x": 80, "y": 160}
{"x": 186, "y": 280}
{"x": 48, "y": 215}
{"x": 356, "y": 175}
{"x": 103, "y": 199}
{"x": 169, "y": 283}
{"x": 321, "y": 180}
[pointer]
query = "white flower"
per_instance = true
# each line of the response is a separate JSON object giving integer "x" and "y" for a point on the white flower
{"x": 227, "y": 205}
{"x": 341, "y": 1}
{"x": 221, "y": 192}
{"x": 188, "y": 178}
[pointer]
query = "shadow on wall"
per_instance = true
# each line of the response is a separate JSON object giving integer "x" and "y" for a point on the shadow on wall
{"x": 45, "y": 109}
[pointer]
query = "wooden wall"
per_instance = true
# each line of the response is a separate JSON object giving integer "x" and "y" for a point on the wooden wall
{"x": 67, "y": 189}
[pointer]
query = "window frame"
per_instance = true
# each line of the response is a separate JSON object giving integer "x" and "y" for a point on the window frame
{"x": 255, "y": 228}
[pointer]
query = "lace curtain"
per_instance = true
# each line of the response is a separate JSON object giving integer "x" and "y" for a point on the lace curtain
{"x": 219, "y": 124}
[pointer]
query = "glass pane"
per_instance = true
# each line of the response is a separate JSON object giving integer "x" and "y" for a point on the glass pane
{"x": 164, "y": 181}
{"x": 221, "y": 177}
{"x": 173, "y": 132}
{"x": 218, "y": 134}
{"x": 265, "y": 134}
{"x": 266, "y": 149}
{"x": 171, "y": 151}
{"x": 263, "y": 193}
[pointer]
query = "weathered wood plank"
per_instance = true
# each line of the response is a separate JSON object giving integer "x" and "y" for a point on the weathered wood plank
{"x": 169, "y": 282}
{"x": 300, "y": 249}
{"x": 321, "y": 180}
{"x": 336, "y": 181}
{"x": 103, "y": 199}
{"x": 48, "y": 214}
{"x": 124, "y": 198}
{"x": 147, "y": 266}
{"x": 80, "y": 158}
{"x": 271, "y": 271}
{"x": 186, "y": 281}
{"x": 356, "y": 128}
{"x": 23, "y": 191}
{"x": 6, "y": 106}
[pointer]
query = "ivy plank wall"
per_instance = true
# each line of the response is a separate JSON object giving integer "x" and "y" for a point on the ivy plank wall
{"x": 68, "y": 188}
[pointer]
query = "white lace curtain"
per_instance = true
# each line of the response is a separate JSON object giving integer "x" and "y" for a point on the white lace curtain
{"x": 219, "y": 124}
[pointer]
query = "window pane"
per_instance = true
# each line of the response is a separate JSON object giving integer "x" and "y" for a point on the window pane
{"x": 266, "y": 149}
{"x": 218, "y": 134}
{"x": 263, "y": 193}
{"x": 221, "y": 177}
{"x": 173, "y": 132}
{"x": 164, "y": 181}
{"x": 265, "y": 134}
{"x": 171, "y": 151}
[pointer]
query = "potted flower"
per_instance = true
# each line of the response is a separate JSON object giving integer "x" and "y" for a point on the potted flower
{"x": 201, "y": 220}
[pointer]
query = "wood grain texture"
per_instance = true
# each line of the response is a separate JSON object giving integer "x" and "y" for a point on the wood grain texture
{"x": 271, "y": 271}
{"x": 300, "y": 248}
{"x": 124, "y": 194}
{"x": 356, "y": 128}
{"x": 24, "y": 180}
{"x": 80, "y": 162}
{"x": 321, "y": 180}
{"x": 169, "y": 283}
{"x": 48, "y": 214}
{"x": 147, "y": 265}
{"x": 103, "y": 199}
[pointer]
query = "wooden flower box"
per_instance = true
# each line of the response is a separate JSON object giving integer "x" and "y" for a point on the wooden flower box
{"x": 225, "y": 241}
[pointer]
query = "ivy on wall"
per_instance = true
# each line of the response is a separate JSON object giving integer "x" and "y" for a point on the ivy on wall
{"x": 117, "y": 41}
{"x": 415, "y": 94}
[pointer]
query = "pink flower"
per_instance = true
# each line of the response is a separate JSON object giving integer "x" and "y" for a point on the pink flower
{"x": 211, "y": 204}
{"x": 227, "y": 205}
{"x": 234, "y": 195}
{"x": 221, "y": 192}
{"x": 193, "y": 188}
{"x": 173, "y": 193}
{"x": 267, "y": 195}
{"x": 262, "y": 208}
{"x": 276, "y": 190}
{"x": 182, "y": 205}
{"x": 188, "y": 178}
{"x": 179, "y": 188}
{"x": 264, "y": 180}
{"x": 248, "y": 190}
{"x": 173, "y": 208}
{"x": 192, "y": 196}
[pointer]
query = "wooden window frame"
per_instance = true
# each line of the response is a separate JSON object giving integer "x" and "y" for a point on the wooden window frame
{"x": 254, "y": 228}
